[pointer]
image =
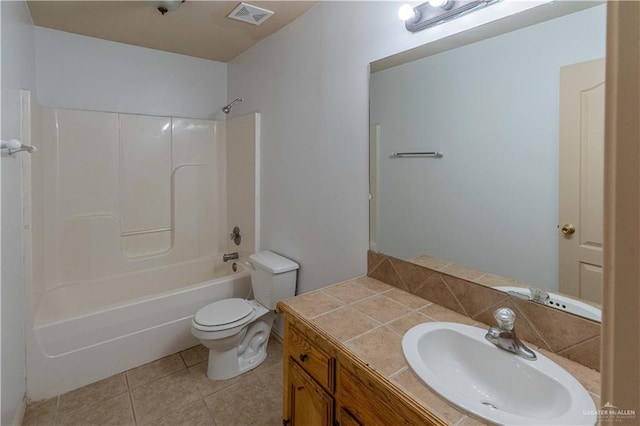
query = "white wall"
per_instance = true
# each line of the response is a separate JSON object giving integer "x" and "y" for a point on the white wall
{"x": 242, "y": 185}
{"x": 310, "y": 83}
{"x": 18, "y": 71}
{"x": 80, "y": 72}
{"x": 492, "y": 202}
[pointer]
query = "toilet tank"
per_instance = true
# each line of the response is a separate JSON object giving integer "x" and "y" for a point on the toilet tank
{"x": 273, "y": 278}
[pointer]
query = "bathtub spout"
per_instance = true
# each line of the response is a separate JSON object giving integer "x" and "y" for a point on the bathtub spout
{"x": 229, "y": 256}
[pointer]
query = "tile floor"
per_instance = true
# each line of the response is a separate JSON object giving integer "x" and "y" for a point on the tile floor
{"x": 171, "y": 391}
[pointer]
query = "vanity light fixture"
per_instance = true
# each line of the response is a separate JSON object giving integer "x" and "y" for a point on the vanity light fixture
{"x": 443, "y": 4}
{"x": 434, "y": 12}
{"x": 406, "y": 12}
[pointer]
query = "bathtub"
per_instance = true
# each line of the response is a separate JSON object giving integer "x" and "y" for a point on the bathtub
{"x": 117, "y": 323}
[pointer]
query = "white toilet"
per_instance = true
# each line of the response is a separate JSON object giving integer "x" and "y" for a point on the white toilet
{"x": 236, "y": 331}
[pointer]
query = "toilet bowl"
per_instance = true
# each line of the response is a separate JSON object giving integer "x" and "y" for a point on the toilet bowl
{"x": 236, "y": 331}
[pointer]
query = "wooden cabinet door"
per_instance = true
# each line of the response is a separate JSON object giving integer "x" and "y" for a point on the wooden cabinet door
{"x": 309, "y": 404}
{"x": 369, "y": 404}
{"x": 346, "y": 419}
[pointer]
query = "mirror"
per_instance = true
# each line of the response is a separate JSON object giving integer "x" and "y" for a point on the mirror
{"x": 513, "y": 155}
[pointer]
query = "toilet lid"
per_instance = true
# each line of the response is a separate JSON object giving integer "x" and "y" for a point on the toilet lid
{"x": 223, "y": 312}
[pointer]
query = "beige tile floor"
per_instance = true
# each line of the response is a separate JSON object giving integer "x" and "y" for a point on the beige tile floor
{"x": 171, "y": 391}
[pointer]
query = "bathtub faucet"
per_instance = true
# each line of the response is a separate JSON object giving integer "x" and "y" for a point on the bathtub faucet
{"x": 229, "y": 256}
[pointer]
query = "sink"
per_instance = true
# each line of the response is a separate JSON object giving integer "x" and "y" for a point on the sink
{"x": 559, "y": 302}
{"x": 456, "y": 362}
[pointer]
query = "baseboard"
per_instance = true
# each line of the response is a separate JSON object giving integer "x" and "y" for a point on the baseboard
{"x": 19, "y": 417}
{"x": 277, "y": 337}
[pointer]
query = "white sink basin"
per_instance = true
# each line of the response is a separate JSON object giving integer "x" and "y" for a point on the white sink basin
{"x": 559, "y": 302}
{"x": 456, "y": 362}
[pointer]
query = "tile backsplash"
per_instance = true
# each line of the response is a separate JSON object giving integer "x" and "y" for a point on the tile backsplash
{"x": 459, "y": 289}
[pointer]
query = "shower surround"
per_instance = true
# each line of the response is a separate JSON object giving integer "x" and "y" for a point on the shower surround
{"x": 129, "y": 217}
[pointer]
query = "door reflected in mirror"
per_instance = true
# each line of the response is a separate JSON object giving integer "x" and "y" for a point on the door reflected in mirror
{"x": 517, "y": 191}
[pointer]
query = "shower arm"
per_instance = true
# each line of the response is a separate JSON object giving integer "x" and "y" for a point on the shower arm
{"x": 227, "y": 108}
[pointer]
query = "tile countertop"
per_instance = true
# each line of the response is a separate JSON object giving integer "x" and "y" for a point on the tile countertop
{"x": 364, "y": 314}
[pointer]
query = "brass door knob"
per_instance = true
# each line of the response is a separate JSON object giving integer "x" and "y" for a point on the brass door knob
{"x": 568, "y": 229}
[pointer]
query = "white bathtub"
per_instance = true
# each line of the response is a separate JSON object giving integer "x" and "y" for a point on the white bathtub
{"x": 115, "y": 324}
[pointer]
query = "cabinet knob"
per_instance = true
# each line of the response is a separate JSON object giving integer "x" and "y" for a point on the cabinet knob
{"x": 303, "y": 357}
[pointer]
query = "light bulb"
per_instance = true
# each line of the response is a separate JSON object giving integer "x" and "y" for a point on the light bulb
{"x": 406, "y": 12}
{"x": 438, "y": 3}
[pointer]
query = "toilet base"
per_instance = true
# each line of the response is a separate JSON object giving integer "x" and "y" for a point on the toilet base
{"x": 250, "y": 353}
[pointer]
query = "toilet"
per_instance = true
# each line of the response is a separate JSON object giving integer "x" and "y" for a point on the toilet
{"x": 236, "y": 331}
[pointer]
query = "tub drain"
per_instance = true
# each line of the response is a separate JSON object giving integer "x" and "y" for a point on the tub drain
{"x": 490, "y": 405}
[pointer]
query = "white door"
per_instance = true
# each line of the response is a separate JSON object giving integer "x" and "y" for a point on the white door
{"x": 581, "y": 178}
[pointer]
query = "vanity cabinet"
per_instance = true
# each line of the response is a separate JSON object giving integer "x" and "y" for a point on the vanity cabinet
{"x": 346, "y": 419}
{"x": 308, "y": 403}
{"x": 326, "y": 385}
{"x": 309, "y": 373}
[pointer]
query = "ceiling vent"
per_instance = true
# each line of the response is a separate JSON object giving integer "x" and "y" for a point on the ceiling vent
{"x": 250, "y": 14}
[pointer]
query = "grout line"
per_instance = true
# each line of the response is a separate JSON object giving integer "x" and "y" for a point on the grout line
{"x": 577, "y": 344}
{"x": 133, "y": 411}
{"x": 328, "y": 312}
{"x": 424, "y": 306}
{"x": 184, "y": 363}
{"x": 398, "y": 318}
{"x": 394, "y": 331}
{"x": 432, "y": 318}
{"x": 369, "y": 272}
{"x": 350, "y": 304}
{"x": 179, "y": 370}
{"x": 207, "y": 407}
{"x": 415, "y": 311}
{"x": 355, "y": 302}
{"x": 363, "y": 334}
{"x": 368, "y": 316}
{"x": 464, "y": 311}
{"x": 459, "y": 422}
{"x": 406, "y": 287}
{"x": 397, "y": 373}
{"x": 531, "y": 324}
{"x": 361, "y": 285}
{"x": 333, "y": 297}
{"x": 411, "y": 310}
{"x": 55, "y": 418}
{"x": 425, "y": 281}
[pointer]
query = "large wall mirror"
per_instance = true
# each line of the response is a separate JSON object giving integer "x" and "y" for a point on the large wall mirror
{"x": 518, "y": 118}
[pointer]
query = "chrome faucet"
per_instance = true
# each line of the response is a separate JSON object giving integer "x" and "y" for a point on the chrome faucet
{"x": 229, "y": 256}
{"x": 504, "y": 335}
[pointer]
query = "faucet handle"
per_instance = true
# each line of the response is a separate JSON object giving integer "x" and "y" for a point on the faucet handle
{"x": 235, "y": 236}
{"x": 505, "y": 318}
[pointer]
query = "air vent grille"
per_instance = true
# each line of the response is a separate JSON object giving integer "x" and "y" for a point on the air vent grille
{"x": 242, "y": 12}
{"x": 250, "y": 14}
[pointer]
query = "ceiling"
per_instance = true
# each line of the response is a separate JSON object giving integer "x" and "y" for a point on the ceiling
{"x": 196, "y": 28}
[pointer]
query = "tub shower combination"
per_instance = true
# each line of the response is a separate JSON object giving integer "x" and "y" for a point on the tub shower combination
{"x": 128, "y": 226}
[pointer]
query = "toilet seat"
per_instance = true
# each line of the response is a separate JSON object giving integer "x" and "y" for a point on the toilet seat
{"x": 224, "y": 314}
